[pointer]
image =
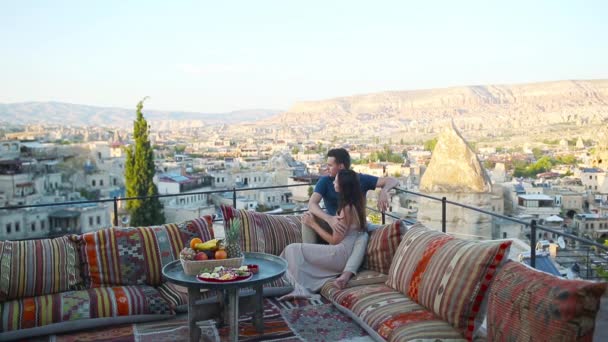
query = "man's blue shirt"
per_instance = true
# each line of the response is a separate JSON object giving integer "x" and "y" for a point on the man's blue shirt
{"x": 325, "y": 188}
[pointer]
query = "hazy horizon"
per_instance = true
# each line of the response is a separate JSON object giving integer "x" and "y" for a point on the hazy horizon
{"x": 223, "y": 57}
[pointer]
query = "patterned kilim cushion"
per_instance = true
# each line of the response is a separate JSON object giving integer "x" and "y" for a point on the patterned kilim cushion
{"x": 390, "y": 314}
{"x": 38, "y": 267}
{"x": 85, "y": 304}
{"x": 528, "y": 305}
{"x": 447, "y": 275}
{"x": 367, "y": 277}
{"x": 265, "y": 233}
{"x": 381, "y": 248}
{"x": 136, "y": 256}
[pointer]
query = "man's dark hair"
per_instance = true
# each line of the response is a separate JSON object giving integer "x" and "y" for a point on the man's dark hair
{"x": 341, "y": 156}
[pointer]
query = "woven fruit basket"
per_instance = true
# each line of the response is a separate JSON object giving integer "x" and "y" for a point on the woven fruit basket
{"x": 194, "y": 267}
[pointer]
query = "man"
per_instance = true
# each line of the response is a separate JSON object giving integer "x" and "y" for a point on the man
{"x": 338, "y": 159}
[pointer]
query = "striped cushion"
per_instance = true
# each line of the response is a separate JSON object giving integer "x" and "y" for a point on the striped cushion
{"x": 38, "y": 267}
{"x": 136, "y": 256}
{"x": 265, "y": 233}
{"x": 382, "y": 245}
{"x": 67, "y": 306}
{"x": 389, "y": 313}
{"x": 448, "y": 276}
{"x": 528, "y": 305}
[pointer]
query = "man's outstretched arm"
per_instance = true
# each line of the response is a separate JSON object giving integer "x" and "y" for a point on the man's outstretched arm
{"x": 386, "y": 184}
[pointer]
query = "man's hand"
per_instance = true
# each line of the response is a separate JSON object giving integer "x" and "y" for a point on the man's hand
{"x": 337, "y": 225}
{"x": 309, "y": 219}
{"x": 383, "y": 200}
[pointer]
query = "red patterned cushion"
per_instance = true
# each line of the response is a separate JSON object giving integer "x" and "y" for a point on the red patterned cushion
{"x": 527, "y": 305}
{"x": 449, "y": 276}
{"x": 69, "y": 306}
{"x": 381, "y": 247}
{"x": 263, "y": 232}
{"x": 37, "y": 267}
{"x": 391, "y": 314}
{"x": 136, "y": 256}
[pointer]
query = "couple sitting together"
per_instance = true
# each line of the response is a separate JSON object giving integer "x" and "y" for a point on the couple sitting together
{"x": 342, "y": 228}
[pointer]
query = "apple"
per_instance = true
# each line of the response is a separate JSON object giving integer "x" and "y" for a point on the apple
{"x": 200, "y": 256}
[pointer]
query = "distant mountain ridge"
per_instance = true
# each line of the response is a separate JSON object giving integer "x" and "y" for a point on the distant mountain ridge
{"x": 85, "y": 115}
{"x": 477, "y": 108}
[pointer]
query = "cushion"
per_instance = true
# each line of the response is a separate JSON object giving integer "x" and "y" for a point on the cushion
{"x": 448, "y": 276}
{"x": 38, "y": 267}
{"x": 366, "y": 277}
{"x": 263, "y": 232}
{"x": 381, "y": 247}
{"x": 33, "y": 312}
{"x": 391, "y": 315}
{"x": 525, "y": 305}
{"x": 136, "y": 256}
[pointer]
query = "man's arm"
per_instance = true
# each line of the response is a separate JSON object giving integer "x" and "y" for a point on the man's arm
{"x": 386, "y": 184}
{"x": 315, "y": 209}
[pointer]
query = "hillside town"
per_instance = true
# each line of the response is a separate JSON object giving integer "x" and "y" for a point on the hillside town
{"x": 561, "y": 184}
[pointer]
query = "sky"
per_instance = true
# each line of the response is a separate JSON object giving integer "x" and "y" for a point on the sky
{"x": 220, "y": 56}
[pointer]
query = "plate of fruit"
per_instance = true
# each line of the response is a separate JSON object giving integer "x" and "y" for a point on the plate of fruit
{"x": 222, "y": 274}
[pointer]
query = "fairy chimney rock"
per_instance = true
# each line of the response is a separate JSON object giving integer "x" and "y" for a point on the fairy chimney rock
{"x": 454, "y": 167}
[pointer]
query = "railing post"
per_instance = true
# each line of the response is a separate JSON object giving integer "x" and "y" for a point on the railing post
{"x": 115, "y": 212}
{"x": 234, "y": 197}
{"x": 383, "y": 218}
{"x": 443, "y": 214}
{"x": 533, "y": 243}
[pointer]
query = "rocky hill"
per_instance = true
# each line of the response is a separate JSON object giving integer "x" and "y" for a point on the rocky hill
{"x": 483, "y": 110}
{"x": 83, "y": 115}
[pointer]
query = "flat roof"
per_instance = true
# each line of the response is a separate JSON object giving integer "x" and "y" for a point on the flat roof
{"x": 537, "y": 197}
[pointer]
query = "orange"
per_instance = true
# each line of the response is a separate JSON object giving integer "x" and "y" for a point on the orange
{"x": 194, "y": 241}
{"x": 221, "y": 254}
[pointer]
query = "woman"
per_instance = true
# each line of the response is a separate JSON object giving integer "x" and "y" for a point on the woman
{"x": 311, "y": 265}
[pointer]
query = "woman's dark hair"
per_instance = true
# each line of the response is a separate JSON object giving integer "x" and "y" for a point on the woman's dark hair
{"x": 350, "y": 193}
{"x": 341, "y": 156}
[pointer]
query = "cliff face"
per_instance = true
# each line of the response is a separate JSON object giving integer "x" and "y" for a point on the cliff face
{"x": 471, "y": 107}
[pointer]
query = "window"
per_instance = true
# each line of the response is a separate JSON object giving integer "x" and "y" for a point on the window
{"x": 590, "y": 177}
{"x": 101, "y": 182}
{"x": 33, "y": 226}
{"x": 93, "y": 182}
{"x": 114, "y": 181}
{"x": 9, "y": 228}
{"x": 42, "y": 224}
{"x": 98, "y": 219}
{"x": 91, "y": 221}
{"x": 17, "y": 227}
{"x": 504, "y": 235}
{"x": 592, "y": 226}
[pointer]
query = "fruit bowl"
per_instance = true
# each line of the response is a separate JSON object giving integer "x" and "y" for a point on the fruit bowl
{"x": 194, "y": 267}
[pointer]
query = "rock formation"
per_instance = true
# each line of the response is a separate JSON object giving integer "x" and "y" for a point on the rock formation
{"x": 456, "y": 173}
{"x": 454, "y": 167}
{"x": 600, "y": 157}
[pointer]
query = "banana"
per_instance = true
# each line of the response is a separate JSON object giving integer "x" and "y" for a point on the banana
{"x": 207, "y": 245}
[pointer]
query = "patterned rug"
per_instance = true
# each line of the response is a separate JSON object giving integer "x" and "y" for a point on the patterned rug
{"x": 297, "y": 320}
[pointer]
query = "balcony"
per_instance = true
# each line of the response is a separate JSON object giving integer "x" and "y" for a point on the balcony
{"x": 576, "y": 257}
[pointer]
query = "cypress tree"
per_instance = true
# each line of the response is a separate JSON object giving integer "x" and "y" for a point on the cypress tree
{"x": 139, "y": 174}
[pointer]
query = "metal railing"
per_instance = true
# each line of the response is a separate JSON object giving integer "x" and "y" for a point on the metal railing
{"x": 532, "y": 225}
